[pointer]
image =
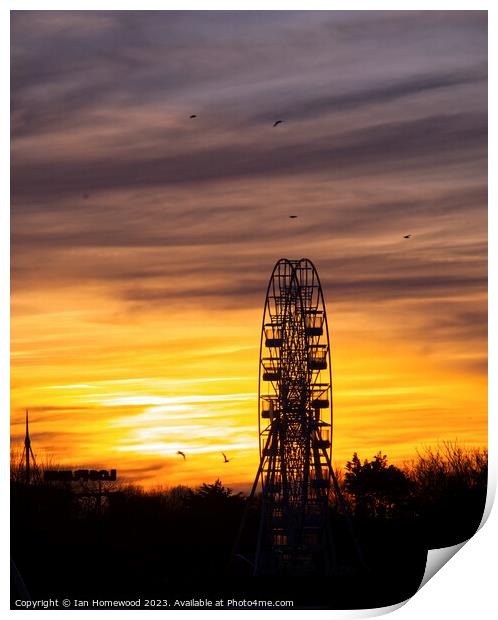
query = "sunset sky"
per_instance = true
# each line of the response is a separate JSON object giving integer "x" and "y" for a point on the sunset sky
{"x": 143, "y": 240}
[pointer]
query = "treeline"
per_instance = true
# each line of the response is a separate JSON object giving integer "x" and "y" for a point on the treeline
{"x": 442, "y": 492}
{"x": 121, "y": 537}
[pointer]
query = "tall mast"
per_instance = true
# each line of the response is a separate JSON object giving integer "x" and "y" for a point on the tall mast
{"x": 27, "y": 448}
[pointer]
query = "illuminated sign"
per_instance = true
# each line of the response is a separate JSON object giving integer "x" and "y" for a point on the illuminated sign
{"x": 66, "y": 475}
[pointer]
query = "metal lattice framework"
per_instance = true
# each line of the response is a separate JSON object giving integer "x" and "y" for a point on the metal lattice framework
{"x": 295, "y": 422}
{"x": 295, "y": 430}
{"x": 28, "y": 469}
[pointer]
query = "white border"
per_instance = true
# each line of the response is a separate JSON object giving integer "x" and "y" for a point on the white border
{"x": 466, "y": 586}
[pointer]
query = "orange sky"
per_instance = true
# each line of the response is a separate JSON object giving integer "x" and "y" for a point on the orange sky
{"x": 108, "y": 389}
{"x": 143, "y": 240}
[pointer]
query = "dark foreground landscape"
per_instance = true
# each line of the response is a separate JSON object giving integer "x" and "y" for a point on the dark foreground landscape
{"x": 174, "y": 545}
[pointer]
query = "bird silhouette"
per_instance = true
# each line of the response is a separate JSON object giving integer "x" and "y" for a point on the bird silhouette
{"x": 277, "y": 123}
{"x": 407, "y": 237}
{"x": 225, "y": 457}
{"x": 193, "y": 116}
{"x": 292, "y": 217}
{"x": 182, "y": 454}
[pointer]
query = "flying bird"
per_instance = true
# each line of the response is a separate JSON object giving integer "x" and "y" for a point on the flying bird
{"x": 182, "y": 454}
{"x": 86, "y": 196}
{"x": 292, "y": 217}
{"x": 407, "y": 237}
{"x": 277, "y": 123}
{"x": 193, "y": 116}
{"x": 225, "y": 457}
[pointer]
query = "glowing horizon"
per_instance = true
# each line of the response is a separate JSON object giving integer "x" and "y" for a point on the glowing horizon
{"x": 395, "y": 404}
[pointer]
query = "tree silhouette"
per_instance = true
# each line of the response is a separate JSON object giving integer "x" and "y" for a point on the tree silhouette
{"x": 378, "y": 489}
{"x": 213, "y": 497}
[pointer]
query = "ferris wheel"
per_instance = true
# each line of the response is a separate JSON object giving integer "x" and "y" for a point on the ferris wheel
{"x": 295, "y": 422}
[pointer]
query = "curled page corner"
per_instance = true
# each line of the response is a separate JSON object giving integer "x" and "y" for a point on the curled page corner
{"x": 490, "y": 498}
{"x": 375, "y": 612}
{"x": 354, "y": 614}
{"x": 436, "y": 559}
